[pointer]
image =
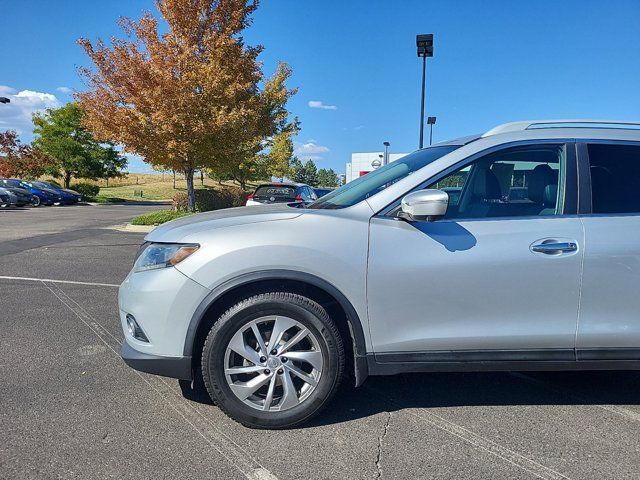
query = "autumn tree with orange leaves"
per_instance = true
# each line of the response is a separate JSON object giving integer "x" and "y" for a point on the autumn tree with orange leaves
{"x": 20, "y": 160}
{"x": 190, "y": 98}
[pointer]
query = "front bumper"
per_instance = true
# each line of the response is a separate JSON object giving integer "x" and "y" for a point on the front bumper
{"x": 162, "y": 302}
{"x": 174, "y": 367}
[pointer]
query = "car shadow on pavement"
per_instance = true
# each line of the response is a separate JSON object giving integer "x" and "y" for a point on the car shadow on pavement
{"x": 438, "y": 390}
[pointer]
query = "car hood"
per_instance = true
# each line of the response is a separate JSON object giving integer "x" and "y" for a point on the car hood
{"x": 183, "y": 229}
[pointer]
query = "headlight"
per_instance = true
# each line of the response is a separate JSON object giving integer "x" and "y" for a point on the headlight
{"x": 161, "y": 255}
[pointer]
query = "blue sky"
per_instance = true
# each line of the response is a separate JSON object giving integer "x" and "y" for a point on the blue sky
{"x": 495, "y": 61}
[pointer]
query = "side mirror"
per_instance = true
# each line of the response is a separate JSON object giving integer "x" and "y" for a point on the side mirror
{"x": 424, "y": 205}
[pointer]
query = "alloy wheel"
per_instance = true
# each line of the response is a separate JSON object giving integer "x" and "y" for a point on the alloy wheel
{"x": 273, "y": 363}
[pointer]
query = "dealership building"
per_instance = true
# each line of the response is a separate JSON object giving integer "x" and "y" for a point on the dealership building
{"x": 363, "y": 163}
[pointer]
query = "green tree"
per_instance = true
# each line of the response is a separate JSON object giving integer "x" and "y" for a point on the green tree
{"x": 75, "y": 153}
{"x": 297, "y": 172}
{"x": 311, "y": 173}
{"x": 280, "y": 155}
{"x": 327, "y": 178}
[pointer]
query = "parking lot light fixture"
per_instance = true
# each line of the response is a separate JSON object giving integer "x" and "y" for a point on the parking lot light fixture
{"x": 386, "y": 152}
{"x": 424, "y": 43}
{"x": 4, "y": 100}
{"x": 431, "y": 121}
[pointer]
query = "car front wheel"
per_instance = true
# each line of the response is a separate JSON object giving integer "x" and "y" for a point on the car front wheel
{"x": 273, "y": 360}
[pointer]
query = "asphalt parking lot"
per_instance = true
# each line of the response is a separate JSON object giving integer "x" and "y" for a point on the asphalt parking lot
{"x": 70, "y": 408}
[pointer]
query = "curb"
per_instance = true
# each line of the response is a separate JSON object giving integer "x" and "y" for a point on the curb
{"x": 128, "y": 227}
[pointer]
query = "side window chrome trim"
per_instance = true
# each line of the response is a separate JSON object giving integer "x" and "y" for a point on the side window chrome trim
{"x": 569, "y": 142}
{"x": 502, "y": 219}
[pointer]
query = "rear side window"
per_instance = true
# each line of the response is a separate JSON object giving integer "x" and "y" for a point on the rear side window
{"x": 278, "y": 192}
{"x": 615, "y": 178}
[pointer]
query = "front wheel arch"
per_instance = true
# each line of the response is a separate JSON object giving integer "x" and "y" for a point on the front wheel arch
{"x": 224, "y": 296}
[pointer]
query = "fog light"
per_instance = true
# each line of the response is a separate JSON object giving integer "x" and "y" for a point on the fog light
{"x": 134, "y": 329}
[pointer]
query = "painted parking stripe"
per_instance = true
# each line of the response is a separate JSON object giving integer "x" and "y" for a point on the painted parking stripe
{"x": 478, "y": 441}
{"x": 51, "y": 280}
{"x": 229, "y": 449}
{"x": 617, "y": 409}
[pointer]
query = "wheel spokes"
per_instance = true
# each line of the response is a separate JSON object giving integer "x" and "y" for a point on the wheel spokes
{"x": 304, "y": 376}
{"x": 281, "y": 325}
{"x": 294, "y": 340}
{"x": 244, "y": 390}
{"x": 312, "y": 357}
{"x": 273, "y": 363}
{"x": 258, "y": 335}
{"x": 290, "y": 395}
{"x": 247, "y": 369}
{"x": 269, "y": 398}
{"x": 238, "y": 345}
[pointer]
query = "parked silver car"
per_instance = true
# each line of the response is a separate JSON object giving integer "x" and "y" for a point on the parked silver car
{"x": 274, "y": 306}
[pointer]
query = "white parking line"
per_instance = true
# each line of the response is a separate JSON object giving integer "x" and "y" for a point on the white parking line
{"x": 50, "y": 280}
{"x": 617, "y": 409}
{"x": 229, "y": 449}
{"x": 478, "y": 441}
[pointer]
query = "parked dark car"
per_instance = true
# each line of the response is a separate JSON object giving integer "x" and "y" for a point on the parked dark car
{"x": 321, "y": 192}
{"x": 43, "y": 196}
{"x": 6, "y": 197}
{"x": 68, "y": 196}
{"x": 23, "y": 197}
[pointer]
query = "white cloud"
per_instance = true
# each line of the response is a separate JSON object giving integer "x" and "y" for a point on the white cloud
{"x": 310, "y": 150}
{"x": 320, "y": 105}
{"x": 65, "y": 90}
{"x": 16, "y": 115}
{"x": 359, "y": 127}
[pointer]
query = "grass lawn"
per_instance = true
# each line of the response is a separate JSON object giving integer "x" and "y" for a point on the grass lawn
{"x": 157, "y": 217}
{"x": 153, "y": 187}
{"x": 102, "y": 199}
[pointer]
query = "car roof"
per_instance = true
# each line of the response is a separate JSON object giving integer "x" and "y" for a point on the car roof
{"x": 577, "y": 128}
{"x": 282, "y": 184}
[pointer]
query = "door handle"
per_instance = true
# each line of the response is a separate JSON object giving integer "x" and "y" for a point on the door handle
{"x": 555, "y": 248}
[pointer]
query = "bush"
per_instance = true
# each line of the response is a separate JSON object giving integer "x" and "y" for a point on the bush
{"x": 86, "y": 189}
{"x": 211, "y": 199}
{"x": 157, "y": 217}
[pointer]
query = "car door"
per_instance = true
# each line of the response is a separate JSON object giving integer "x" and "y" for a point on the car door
{"x": 609, "y": 324}
{"x": 497, "y": 278}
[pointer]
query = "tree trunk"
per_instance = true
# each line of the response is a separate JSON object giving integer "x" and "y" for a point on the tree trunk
{"x": 174, "y": 179}
{"x": 67, "y": 179}
{"x": 191, "y": 193}
{"x": 201, "y": 178}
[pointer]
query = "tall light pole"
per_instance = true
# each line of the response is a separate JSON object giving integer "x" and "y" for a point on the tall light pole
{"x": 431, "y": 121}
{"x": 386, "y": 152}
{"x": 424, "y": 43}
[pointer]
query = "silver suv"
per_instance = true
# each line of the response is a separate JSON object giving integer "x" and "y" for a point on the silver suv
{"x": 518, "y": 249}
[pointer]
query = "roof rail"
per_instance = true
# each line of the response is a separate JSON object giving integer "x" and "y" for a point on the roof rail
{"x": 535, "y": 124}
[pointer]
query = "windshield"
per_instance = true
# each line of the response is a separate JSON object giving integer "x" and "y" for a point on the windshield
{"x": 11, "y": 183}
{"x": 376, "y": 181}
{"x": 42, "y": 185}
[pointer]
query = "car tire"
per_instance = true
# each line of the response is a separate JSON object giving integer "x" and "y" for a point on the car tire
{"x": 36, "y": 201}
{"x": 308, "y": 347}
